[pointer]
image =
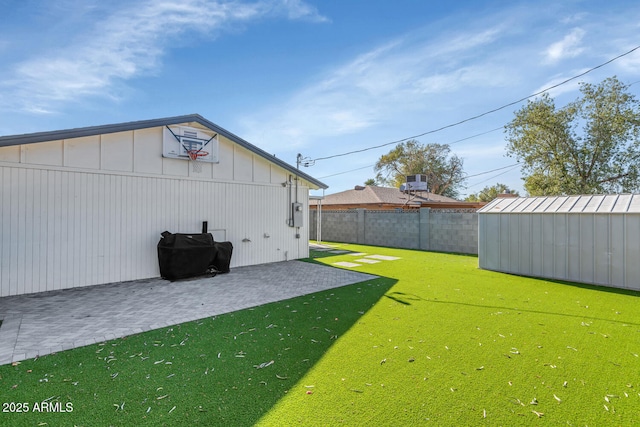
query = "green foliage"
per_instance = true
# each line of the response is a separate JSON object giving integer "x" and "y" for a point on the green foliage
{"x": 444, "y": 171}
{"x": 590, "y": 146}
{"x": 371, "y": 182}
{"x": 487, "y": 194}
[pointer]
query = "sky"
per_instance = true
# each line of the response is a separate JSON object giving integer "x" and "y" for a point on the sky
{"x": 319, "y": 78}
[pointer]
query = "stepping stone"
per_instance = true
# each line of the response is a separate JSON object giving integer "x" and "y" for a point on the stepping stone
{"x": 368, "y": 261}
{"x": 339, "y": 252}
{"x": 357, "y": 254}
{"x": 383, "y": 257}
{"x": 346, "y": 264}
{"x": 319, "y": 249}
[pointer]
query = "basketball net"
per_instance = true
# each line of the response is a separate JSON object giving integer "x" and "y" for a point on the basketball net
{"x": 194, "y": 156}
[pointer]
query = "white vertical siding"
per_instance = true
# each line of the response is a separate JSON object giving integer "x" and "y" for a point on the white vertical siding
{"x": 90, "y": 210}
{"x": 62, "y": 229}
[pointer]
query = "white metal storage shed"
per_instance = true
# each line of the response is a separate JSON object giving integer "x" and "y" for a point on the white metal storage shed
{"x": 588, "y": 239}
{"x": 86, "y": 206}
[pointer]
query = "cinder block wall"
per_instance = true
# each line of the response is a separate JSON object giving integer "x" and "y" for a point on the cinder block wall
{"x": 392, "y": 228}
{"x": 337, "y": 226}
{"x": 453, "y": 232}
{"x": 427, "y": 229}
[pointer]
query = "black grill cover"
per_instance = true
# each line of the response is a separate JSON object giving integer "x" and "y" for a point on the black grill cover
{"x": 222, "y": 257}
{"x": 185, "y": 255}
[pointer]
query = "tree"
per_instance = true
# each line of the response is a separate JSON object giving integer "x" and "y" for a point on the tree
{"x": 371, "y": 182}
{"x": 444, "y": 171}
{"x": 591, "y": 145}
{"x": 487, "y": 194}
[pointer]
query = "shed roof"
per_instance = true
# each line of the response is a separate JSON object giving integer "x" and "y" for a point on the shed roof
{"x": 33, "y": 138}
{"x": 598, "y": 203}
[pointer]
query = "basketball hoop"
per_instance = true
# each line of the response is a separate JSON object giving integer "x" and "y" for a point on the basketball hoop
{"x": 194, "y": 156}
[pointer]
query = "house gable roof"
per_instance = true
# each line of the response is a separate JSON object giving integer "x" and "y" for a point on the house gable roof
{"x": 33, "y": 138}
{"x": 383, "y": 195}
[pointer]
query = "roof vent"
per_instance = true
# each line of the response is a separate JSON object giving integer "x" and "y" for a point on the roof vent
{"x": 359, "y": 187}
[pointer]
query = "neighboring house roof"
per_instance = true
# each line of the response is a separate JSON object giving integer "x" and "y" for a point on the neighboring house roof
{"x": 33, "y": 138}
{"x": 600, "y": 203}
{"x": 372, "y": 196}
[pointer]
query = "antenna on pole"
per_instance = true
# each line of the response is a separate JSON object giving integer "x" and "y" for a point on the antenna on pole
{"x": 304, "y": 161}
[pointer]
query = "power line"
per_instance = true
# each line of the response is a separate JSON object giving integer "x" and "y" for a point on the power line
{"x": 342, "y": 173}
{"x": 473, "y": 136}
{"x": 492, "y": 170}
{"x": 486, "y": 112}
{"x": 495, "y": 176}
{"x": 450, "y": 143}
{"x": 469, "y": 176}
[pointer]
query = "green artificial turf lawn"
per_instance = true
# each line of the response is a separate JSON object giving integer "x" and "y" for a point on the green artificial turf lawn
{"x": 434, "y": 341}
{"x": 450, "y": 344}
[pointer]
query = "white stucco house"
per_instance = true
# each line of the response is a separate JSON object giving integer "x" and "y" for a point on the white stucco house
{"x": 86, "y": 206}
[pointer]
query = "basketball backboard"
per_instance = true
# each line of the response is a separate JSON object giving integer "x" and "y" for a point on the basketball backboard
{"x": 178, "y": 140}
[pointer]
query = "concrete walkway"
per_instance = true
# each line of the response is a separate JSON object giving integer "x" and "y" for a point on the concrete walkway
{"x": 38, "y": 324}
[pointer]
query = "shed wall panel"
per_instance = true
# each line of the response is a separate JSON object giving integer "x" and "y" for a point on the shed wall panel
{"x": 617, "y": 237}
{"x": 574, "y": 260}
{"x": 515, "y": 246}
{"x": 560, "y": 245}
{"x": 536, "y": 245}
{"x": 492, "y": 245}
{"x": 587, "y": 248}
{"x": 602, "y": 249}
{"x": 504, "y": 242}
{"x": 548, "y": 239}
{"x": 525, "y": 244}
{"x": 632, "y": 252}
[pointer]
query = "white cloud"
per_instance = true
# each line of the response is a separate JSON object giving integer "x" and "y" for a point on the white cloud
{"x": 572, "y": 19}
{"x": 485, "y": 75}
{"x": 298, "y": 9}
{"x": 631, "y": 62}
{"x": 568, "y": 47}
{"x": 572, "y": 86}
{"x": 128, "y": 43}
{"x": 377, "y": 84}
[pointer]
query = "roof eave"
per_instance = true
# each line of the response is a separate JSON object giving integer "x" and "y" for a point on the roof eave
{"x": 33, "y": 138}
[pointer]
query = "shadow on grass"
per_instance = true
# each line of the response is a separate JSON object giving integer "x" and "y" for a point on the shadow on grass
{"x": 599, "y": 288}
{"x": 404, "y": 249}
{"x": 225, "y": 370}
{"x": 407, "y": 299}
{"x": 313, "y": 254}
